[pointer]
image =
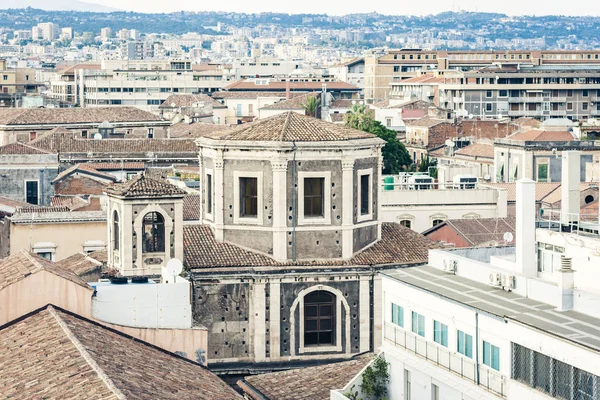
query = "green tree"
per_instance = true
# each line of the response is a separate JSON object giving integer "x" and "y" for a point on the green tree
{"x": 359, "y": 117}
{"x": 311, "y": 107}
{"x": 375, "y": 380}
{"x": 427, "y": 165}
{"x": 395, "y": 155}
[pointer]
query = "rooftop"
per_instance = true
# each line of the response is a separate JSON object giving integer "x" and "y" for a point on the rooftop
{"x": 20, "y": 265}
{"x": 398, "y": 245}
{"x": 84, "y": 169}
{"x": 308, "y": 383}
{"x": 57, "y": 354}
{"x": 291, "y": 127}
{"x": 188, "y": 100}
{"x": 141, "y": 186}
{"x": 19, "y": 148}
{"x": 535, "y": 135}
{"x": 62, "y": 214}
{"x": 569, "y": 325}
{"x": 250, "y": 84}
{"x": 82, "y": 263}
{"x": 194, "y": 130}
{"x": 62, "y": 116}
{"x": 294, "y": 103}
{"x": 479, "y": 232}
{"x": 477, "y": 150}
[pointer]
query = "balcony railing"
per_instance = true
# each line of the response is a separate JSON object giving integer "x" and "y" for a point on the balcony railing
{"x": 442, "y": 357}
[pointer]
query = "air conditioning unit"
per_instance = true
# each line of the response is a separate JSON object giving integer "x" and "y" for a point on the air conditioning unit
{"x": 495, "y": 279}
{"x": 508, "y": 282}
{"x": 450, "y": 265}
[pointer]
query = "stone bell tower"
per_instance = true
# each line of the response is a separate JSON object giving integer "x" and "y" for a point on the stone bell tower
{"x": 145, "y": 225}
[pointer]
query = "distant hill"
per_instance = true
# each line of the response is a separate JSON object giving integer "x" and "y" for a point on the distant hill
{"x": 56, "y": 5}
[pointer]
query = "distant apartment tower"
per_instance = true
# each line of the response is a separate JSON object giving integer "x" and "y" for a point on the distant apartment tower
{"x": 124, "y": 34}
{"x": 132, "y": 51}
{"x": 66, "y": 33}
{"x": 105, "y": 34}
{"x": 45, "y": 31}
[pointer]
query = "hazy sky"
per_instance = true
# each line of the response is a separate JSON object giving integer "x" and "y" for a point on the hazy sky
{"x": 337, "y": 7}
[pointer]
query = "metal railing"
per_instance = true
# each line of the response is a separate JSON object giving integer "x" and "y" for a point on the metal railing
{"x": 581, "y": 224}
{"x": 442, "y": 357}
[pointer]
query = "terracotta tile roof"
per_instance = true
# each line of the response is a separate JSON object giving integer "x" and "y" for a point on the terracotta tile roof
{"x": 55, "y": 354}
{"x": 480, "y": 232}
{"x": 188, "y": 100}
{"x": 142, "y": 186}
{"x": 116, "y": 166}
{"x": 85, "y": 169}
{"x": 195, "y": 130}
{"x": 412, "y": 114}
{"x": 81, "y": 263}
{"x": 249, "y": 84}
{"x": 556, "y": 195}
{"x": 543, "y": 136}
{"x": 5, "y": 201}
{"x": 72, "y": 203}
{"x": 426, "y": 122}
{"x": 342, "y": 103}
{"x": 398, "y": 245}
{"x": 59, "y": 116}
{"x": 477, "y": 150}
{"x": 33, "y": 209}
{"x": 21, "y": 148}
{"x": 191, "y": 208}
{"x": 71, "y": 69}
{"x": 337, "y": 117}
{"x": 542, "y": 189}
{"x": 247, "y": 95}
{"x": 308, "y": 383}
{"x": 295, "y": 103}
{"x": 18, "y": 266}
{"x": 63, "y": 141}
{"x": 426, "y": 78}
{"x": 527, "y": 122}
{"x": 291, "y": 126}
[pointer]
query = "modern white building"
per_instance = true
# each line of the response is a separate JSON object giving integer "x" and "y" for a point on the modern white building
{"x": 507, "y": 322}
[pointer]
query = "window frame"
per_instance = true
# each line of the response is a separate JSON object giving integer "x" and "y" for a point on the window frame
{"x": 467, "y": 350}
{"x": 417, "y": 329}
{"x": 37, "y": 182}
{"x": 162, "y": 245}
{"x": 440, "y": 333}
{"x": 209, "y": 202}
{"x": 490, "y": 355}
{"x": 237, "y": 218}
{"x": 369, "y": 214}
{"x": 326, "y": 218}
{"x": 331, "y": 317}
{"x": 116, "y": 231}
{"x": 397, "y": 315}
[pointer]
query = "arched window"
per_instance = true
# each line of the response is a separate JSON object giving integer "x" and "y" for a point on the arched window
{"x": 153, "y": 228}
{"x": 319, "y": 318}
{"x": 406, "y": 223}
{"x": 115, "y": 230}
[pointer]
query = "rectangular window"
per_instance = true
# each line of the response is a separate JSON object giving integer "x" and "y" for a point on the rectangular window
{"x": 47, "y": 255}
{"x": 407, "y": 385}
{"x": 209, "y": 194}
{"x": 314, "y": 197}
{"x": 435, "y": 392}
{"x": 585, "y": 93}
{"x": 32, "y": 194}
{"x": 542, "y": 173}
{"x": 464, "y": 344}
{"x": 397, "y": 315}
{"x": 251, "y": 109}
{"x": 488, "y": 94}
{"x": 249, "y": 197}
{"x": 488, "y": 107}
{"x": 584, "y": 106}
{"x": 440, "y": 333}
{"x": 365, "y": 194}
{"x": 238, "y": 112}
{"x": 569, "y": 106}
{"x": 418, "y": 324}
{"x": 569, "y": 93}
{"x": 491, "y": 356}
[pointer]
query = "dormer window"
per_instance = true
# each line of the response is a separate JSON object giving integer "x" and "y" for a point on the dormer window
{"x": 153, "y": 230}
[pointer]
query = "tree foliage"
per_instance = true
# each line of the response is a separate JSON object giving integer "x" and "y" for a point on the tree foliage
{"x": 395, "y": 156}
{"x": 375, "y": 380}
{"x": 311, "y": 107}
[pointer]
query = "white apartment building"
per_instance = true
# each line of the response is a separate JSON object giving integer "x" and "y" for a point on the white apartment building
{"x": 145, "y": 83}
{"x": 502, "y": 323}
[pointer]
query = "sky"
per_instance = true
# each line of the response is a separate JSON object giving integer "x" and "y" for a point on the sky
{"x": 337, "y": 7}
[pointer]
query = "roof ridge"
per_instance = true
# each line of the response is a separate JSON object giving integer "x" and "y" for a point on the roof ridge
{"x": 30, "y": 257}
{"x": 285, "y": 125}
{"x": 86, "y": 355}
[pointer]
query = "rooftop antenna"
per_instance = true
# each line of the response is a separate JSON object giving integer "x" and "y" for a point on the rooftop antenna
{"x": 508, "y": 237}
{"x": 170, "y": 272}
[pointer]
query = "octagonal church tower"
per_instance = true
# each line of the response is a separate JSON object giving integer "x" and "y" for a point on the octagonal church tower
{"x": 292, "y": 187}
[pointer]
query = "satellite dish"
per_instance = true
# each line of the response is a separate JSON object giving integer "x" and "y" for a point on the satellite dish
{"x": 508, "y": 237}
{"x": 499, "y": 116}
{"x": 470, "y": 116}
{"x": 449, "y": 143}
{"x": 97, "y": 136}
{"x": 173, "y": 105}
{"x": 353, "y": 101}
{"x": 174, "y": 266}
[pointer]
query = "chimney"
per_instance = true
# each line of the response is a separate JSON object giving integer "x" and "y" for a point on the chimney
{"x": 565, "y": 284}
{"x": 570, "y": 194}
{"x": 525, "y": 232}
{"x": 287, "y": 89}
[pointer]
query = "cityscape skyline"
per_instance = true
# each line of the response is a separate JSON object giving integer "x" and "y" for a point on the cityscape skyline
{"x": 510, "y": 7}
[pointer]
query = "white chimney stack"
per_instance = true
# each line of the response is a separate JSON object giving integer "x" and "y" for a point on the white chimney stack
{"x": 566, "y": 284}
{"x": 525, "y": 241}
{"x": 570, "y": 194}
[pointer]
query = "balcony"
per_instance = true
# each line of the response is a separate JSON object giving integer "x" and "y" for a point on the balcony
{"x": 516, "y": 99}
{"x": 536, "y": 113}
{"x": 443, "y": 358}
